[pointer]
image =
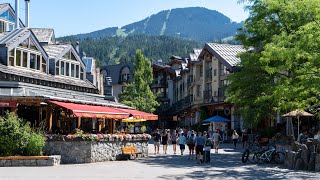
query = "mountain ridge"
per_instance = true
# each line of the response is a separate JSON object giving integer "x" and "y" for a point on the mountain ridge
{"x": 193, "y": 23}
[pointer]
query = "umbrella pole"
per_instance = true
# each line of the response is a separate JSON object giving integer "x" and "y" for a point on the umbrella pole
{"x": 298, "y": 126}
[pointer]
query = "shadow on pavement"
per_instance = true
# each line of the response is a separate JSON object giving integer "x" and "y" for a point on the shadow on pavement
{"x": 226, "y": 164}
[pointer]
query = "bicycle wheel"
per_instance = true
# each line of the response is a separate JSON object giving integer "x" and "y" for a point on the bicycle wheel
{"x": 250, "y": 157}
{"x": 279, "y": 157}
{"x": 245, "y": 156}
{"x": 259, "y": 158}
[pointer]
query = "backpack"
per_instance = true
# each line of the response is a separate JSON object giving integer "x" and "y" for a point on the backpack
{"x": 190, "y": 141}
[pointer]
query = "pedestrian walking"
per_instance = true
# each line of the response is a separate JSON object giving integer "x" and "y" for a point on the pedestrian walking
{"x": 235, "y": 137}
{"x": 244, "y": 137}
{"x": 164, "y": 140}
{"x": 173, "y": 139}
{"x": 199, "y": 144}
{"x": 216, "y": 138}
{"x": 190, "y": 144}
{"x": 182, "y": 141}
{"x": 156, "y": 141}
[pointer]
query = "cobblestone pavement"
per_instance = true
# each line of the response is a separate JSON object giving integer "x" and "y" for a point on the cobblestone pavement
{"x": 224, "y": 165}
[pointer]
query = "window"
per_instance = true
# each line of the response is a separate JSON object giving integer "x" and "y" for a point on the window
{"x": 201, "y": 71}
{"x": 81, "y": 73}
{"x": 67, "y": 69}
{"x": 33, "y": 61}
{"x": 199, "y": 90}
{"x": 62, "y": 68}
{"x": 25, "y": 59}
{"x": 72, "y": 70}
{"x": 215, "y": 72}
{"x": 7, "y": 15}
{"x": 38, "y": 62}
{"x": 57, "y": 67}
{"x": 11, "y": 57}
{"x": 77, "y": 71}
{"x": 18, "y": 58}
{"x": 44, "y": 64}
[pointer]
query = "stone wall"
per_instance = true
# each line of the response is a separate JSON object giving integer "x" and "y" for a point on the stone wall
{"x": 92, "y": 151}
{"x": 20, "y": 161}
{"x": 303, "y": 157}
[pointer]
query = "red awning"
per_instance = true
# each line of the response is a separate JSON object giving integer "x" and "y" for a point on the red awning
{"x": 92, "y": 111}
{"x": 140, "y": 114}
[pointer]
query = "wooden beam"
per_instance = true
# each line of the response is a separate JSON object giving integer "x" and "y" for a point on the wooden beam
{"x": 79, "y": 123}
{"x": 49, "y": 118}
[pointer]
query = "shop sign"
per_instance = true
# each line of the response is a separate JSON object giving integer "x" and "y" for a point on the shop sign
{"x": 8, "y": 103}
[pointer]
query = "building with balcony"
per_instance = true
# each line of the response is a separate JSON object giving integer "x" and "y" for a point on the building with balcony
{"x": 218, "y": 61}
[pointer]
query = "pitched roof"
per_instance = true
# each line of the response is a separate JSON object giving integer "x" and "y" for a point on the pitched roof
{"x": 53, "y": 50}
{"x": 45, "y": 77}
{"x": 11, "y": 37}
{"x": 226, "y": 53}
{"x": 3, "y": 5}
{"x": 194, "y": 56}
{"x": 44, "y": 34}
{"x": 113, "y": 71}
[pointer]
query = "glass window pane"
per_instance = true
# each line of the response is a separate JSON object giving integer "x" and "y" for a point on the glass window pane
{"x": 62, "y": 68}
{"x": 77, "y": 71}
{"x": 32, "y": 61}
{"x": 44, "y": 64}
{"x": 38, "y": 62}
{"x": 25, "y": 59}
{"x": 11, "y": 57}
{"x": 81, "y": 74}
{"x": 72, "y": 70}
{"x": 73, "y": 57}
{"x": 18, "y": 58}
{"x": 67, "y": 69}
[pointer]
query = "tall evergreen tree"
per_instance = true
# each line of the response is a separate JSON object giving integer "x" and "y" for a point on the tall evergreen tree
{"x": 280, "y": 70}
{"x": 138, "y": 93}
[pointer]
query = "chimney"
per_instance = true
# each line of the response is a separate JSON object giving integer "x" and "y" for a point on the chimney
{"x": 17, "y": 15}
{"x": 77, "y": 47}
{"x": 27, "y": 13}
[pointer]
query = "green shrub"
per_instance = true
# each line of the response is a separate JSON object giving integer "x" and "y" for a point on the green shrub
{"x": 17, "y": 138}
{"x": 35, "y": 145}
{"x": 143, "y": 128}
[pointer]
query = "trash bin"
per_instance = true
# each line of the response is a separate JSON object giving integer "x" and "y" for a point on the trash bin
{"x": 206, "y": 154}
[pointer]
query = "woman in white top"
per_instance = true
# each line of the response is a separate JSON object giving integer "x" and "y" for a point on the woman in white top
{"x": 317, "y": 136}
{"x": 235, "y": 137}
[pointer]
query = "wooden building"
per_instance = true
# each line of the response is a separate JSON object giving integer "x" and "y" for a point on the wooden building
{"x": 45, "y": 82}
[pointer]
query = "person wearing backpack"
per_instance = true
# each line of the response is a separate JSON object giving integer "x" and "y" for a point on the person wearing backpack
{"x": 190, "y": 144}
{"x": 235, "y": 137}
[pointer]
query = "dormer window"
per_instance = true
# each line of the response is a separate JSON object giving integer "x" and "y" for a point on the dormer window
{"x": 26, "y": 55}
{"x": 125, "y": 74}
{"x": 6, "y": 22}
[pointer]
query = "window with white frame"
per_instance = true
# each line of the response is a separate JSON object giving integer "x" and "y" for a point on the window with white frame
{"x": 26, "y": 55}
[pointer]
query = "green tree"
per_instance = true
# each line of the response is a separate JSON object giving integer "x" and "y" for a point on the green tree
{"x": 17, "y": 138}
{"x": 138, "y": 93}
{"x": 280, "y": 70}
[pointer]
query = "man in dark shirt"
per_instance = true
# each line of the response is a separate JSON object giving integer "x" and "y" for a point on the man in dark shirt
{"x": 156, "y": 141}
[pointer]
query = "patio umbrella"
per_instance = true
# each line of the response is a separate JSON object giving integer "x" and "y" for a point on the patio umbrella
{"x": 297, "y": 113}
{"x": 216, "y": 119}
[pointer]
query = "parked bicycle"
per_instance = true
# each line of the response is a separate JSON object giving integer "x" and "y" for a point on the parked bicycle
{"x": 268, "y": 156}
{"x": 252, "y": 148}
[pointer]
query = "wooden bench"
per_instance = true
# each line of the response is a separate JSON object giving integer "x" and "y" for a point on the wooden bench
{"x": 131, "y": 150}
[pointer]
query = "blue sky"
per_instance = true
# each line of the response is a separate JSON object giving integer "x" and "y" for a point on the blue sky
{"x": 81, "y": 16}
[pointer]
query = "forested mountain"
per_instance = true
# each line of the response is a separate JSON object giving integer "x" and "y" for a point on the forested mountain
{"x": 194, "y": 23}
{"x": 170, "y": 32}
{"x": 114, "y": 50}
